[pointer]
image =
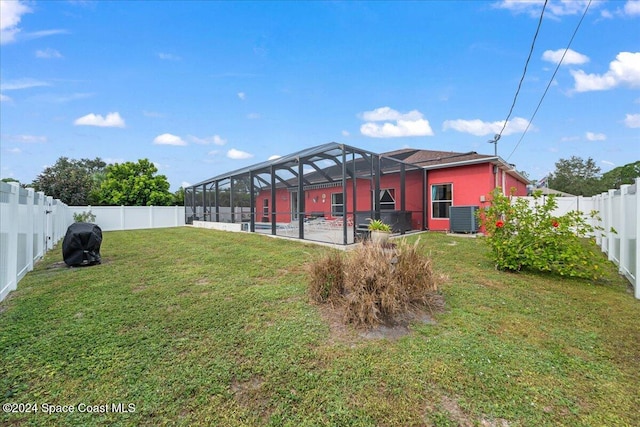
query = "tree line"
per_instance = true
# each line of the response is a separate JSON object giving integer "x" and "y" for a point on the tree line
{"x": 94, "y": 182}
{"x": 583, "y": 178}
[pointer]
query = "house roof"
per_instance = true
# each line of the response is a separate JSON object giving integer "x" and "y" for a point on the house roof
{"x": 432, "y": 159}
{"x": 427, "y": 159}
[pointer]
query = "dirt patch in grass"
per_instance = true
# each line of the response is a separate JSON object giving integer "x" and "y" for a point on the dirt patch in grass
{"x": 339, "y": 332}
{"x": 249, "y": 394}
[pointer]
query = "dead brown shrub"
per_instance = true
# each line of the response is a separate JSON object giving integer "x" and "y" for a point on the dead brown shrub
{"x": 377, "y": 284}
{"x": 327, "y": 277}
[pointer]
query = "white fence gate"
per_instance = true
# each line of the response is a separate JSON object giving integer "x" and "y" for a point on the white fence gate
{"x": 619, "y": 212}
{"x": 30, "y": 224}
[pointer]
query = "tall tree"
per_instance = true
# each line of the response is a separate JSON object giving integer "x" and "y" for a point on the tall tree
{"x": 576, "y": 176}
{"x": 70, "y": 180}
{"x": 134, "y": 184}
{"x": 178, "y": 197}
{"x": 621, "y": 175}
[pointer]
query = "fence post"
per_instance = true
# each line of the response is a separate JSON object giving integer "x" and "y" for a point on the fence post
{"x": 622, "y": 232}
{"x": 636, "y": 273}
{"x": 610, "y": 234}
{"x": 597, "y": 206}
{"x": 30, "y": 228}
{"x": 150, "y": 216}
{"x": 121, "y": 217}
{"x": 41, "y": 218}
{"x": 12, "y": 241}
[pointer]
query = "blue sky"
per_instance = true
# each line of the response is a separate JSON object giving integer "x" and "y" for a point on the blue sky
{"x": 201, "y": 88}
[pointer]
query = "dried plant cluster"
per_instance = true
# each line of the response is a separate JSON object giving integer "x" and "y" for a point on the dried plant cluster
{"x": 376, "y": 285}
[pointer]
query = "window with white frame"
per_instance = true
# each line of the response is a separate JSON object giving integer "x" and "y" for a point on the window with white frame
{"x": 337, "y": 204}
{"x": 265, "y": 207}
{"x": 441, "y": 200}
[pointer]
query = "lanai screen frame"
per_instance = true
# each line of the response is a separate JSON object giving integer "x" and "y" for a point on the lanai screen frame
{"x": 298, "y": 172}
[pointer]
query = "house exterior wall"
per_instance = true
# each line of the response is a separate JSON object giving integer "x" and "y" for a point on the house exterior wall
{"x": 319, "y": 200}
{"x": 469, "y": 184}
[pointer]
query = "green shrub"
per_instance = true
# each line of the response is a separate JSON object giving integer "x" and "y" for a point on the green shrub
{"x": 530, "y": 237}
{"x": 84, "y": 217}
{"x": 379, "y": 225}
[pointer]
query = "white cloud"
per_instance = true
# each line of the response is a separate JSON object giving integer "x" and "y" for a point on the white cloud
{"x": 5, "y": 98}
{"x": 608, "y": 163}
{"x": 606, "y": 14}
{"x": 275, "y": 156}
{"x": 481, "y": 128}
{"x": 571, "y": 57}
{"x": 591, "y": 136}
{"x": 402, "y": 128}
{"x": 25, "y": 83}
{"x": 168, "y": 57}
{"x": 632, "y": 8}
{"x": 215, "y": 139}
{"x": 238, "y": 155}
{"x": 386, "y": 113}
{"x": 44, "y": 33}
{"x": 68, "y": 98}
{"x": 112, "y": 120}
{"x": 168, "y": 139}
{"x": 114, "y": 160}
{"x": 10, "y": 15}
{"x": 632, "y": 121}
{"x": 48, "y": 54}
{"x": 253, "y": 116}
{"x": 554, "y": 9}
{"x": 406, "y": 124}
{"x": 15, "y": 150}
{"x": 185, "y": 184}
{"x": 345, "y": 133}
{"x": 569, "y": 138}
{"x": 242, "y": 95}
{"x": 623, "y": 71}
{"x": 213, "y": 152}
{"x": 27, "y": 139}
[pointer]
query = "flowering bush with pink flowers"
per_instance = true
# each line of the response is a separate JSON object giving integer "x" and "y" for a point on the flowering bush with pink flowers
{"x": 524, "y": 236}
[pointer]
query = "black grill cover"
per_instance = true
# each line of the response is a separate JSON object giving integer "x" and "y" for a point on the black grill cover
{"x": 81, "y": 244}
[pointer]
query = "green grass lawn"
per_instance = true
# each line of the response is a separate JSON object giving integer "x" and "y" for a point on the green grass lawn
{"x": 198, "y": 327}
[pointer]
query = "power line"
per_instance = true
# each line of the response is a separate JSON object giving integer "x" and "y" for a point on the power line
{"x": 526, "y": 64}
{"x": 551, "y": 80}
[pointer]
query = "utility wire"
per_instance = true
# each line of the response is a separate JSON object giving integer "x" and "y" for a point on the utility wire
{"x": 524, "y": 73}
{"x": 551, "y": 80}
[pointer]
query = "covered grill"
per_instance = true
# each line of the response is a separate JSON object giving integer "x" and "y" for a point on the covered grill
{"x": 81, "y": 244}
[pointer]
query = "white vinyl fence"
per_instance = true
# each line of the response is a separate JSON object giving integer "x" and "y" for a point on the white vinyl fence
{"x": 110, "y": 218}
{"x": 619, "y": 213}
{"x": 31, "y": 223}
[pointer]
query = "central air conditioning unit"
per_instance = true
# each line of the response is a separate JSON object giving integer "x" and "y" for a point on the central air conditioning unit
{"x": 462, "y": 219}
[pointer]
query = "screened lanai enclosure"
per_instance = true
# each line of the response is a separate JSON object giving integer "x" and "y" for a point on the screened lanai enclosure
{"x": 326, "y": 193}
